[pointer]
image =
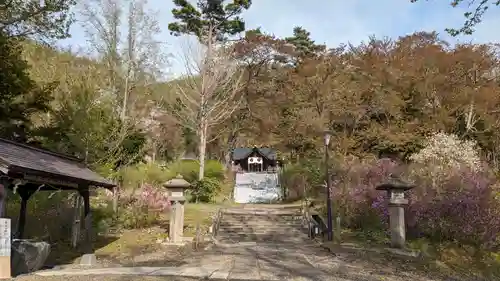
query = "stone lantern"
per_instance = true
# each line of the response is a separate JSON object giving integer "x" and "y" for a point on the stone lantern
{"x": 395, "y": 189}
{"x": 176, "y": 188}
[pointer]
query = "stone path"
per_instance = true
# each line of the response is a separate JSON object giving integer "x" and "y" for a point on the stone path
{"x": 275, "y": 249}
{"x": 252, "y": 261}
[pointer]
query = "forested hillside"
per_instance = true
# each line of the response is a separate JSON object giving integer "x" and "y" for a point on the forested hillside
{"x": 381, "y": 97}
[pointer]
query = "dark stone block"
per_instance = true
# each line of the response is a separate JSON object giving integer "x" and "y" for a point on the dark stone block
{"x": 28, "y": 256}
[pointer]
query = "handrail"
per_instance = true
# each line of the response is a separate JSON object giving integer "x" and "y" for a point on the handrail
{"x": 309, "y": 222}
{"x": 216, "y": 222}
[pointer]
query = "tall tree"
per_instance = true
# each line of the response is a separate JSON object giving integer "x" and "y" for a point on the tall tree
{"x": 49, "y": 19}
{"x": 134, "y": 59}
{"x": 20, "y": 96}
{"x": 209, "y": 94}
{"x": 304, "y": 45}
{"x": 474, "y": 15}
{"x": 223, "y": 19}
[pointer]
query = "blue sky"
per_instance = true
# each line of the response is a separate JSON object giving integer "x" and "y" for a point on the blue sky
{"x": 334, "y": 22}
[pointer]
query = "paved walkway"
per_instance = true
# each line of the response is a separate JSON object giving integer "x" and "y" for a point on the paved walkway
{"x": 252, "y": 261}
{"x": 280, "y": 252}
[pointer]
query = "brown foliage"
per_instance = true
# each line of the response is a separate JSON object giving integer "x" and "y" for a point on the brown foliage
{"x": 380, "y": 97}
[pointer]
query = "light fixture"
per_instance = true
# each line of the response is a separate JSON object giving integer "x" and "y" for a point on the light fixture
{"x": 327, "y": 138}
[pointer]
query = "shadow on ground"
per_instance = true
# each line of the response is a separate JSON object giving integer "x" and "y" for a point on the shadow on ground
{"x": 62, "y": 253}
{"x": 157, "y": 255}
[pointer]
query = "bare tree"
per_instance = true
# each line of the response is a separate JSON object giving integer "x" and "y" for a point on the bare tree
{"x": 210, "y": 92}
{"x": 132, "y": 60}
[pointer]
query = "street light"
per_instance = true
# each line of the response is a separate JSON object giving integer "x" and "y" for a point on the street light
{"x": 328, "y": 187}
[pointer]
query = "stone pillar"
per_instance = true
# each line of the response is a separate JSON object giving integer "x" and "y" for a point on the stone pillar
{"x": 395, "y": 189}
{"x": 172, "y": 225}
{"x": 175, "y": 188}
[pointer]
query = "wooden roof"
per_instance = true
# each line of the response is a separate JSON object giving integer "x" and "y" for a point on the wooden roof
{"x": 244, "y": 152}
{"x": 39, "y": 164}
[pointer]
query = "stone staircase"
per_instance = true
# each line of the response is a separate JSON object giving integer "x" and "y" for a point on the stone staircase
{"x": 238, "y": 225}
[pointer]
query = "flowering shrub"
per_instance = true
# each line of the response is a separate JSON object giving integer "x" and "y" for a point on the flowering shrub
{"x": 154, "y": 198}
{"x": 463, "y": 208}
{"x": 141, "y": 208}
{"x": 447, "y": 151}
{"x": 354, "y": 191}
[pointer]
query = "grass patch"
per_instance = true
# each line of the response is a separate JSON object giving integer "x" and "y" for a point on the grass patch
{"x": 453, "y": 258}
{"x": 442, "y": 259}
{"x": 133, "y": 242}
{"x": 198, "y": 214}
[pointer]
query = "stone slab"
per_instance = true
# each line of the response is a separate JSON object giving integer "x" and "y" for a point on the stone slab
{"x": 88, "y": 260}
{"x": 109, "y": 271}
{"x": 196, "y": 272}
{"x": 220, "y": 274}
{"x": 178, "y": 244}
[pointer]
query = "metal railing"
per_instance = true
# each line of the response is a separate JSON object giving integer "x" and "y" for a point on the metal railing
{"x": 314, "y": 228}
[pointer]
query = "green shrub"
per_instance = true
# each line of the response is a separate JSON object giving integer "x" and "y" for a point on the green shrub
{"x": 302, "y": 179}
{"x": 152, "y": 173}
{"x": 205, "y": 190}
{"x": 103, "y": 217}
{"x": 136, "y": 216}
{"x": 189, "y": 170}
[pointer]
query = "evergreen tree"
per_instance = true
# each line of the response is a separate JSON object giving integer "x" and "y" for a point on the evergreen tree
{"x": 223, "y": 18}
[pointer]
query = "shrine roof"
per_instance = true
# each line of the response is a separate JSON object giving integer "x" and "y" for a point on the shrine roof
{"x": 21, "y": 159}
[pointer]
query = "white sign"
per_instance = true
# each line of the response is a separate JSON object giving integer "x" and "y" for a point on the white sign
{"x": 177, "y": 194}
{"x": 5, "y": 243}
{"x": 397, "y": 195}
{"x": 3, "y": 193}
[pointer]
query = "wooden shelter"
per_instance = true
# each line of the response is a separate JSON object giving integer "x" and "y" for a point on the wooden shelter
{"x": 27, "y": 169}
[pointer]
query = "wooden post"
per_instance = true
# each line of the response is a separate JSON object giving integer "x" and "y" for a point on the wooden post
{"x": 115, "y": 196}
{"x": 25, "y": 194}
{"x": 87, "y": 221}
{"x": 5, "y": 234}
{"x": 77, "y": 217}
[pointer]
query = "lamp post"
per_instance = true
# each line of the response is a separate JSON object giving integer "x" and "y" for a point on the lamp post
{"x": 328, "y": 187}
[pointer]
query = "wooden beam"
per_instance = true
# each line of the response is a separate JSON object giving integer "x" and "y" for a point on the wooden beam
{"x": 50, "y": 181}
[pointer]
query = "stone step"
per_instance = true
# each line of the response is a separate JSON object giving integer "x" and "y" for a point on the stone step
{"x": 263, "y": 238}
{"x": 262, "y": 215}
{"x": 248, "y": 219}
{"x": 276, "y": 241}
{"x": 246, "y": 228}
{"x": 250, "y": 222}
{"x": 261, "y": 231}
{"x": 258, "y": 224}
{"x": 261, "y": 212}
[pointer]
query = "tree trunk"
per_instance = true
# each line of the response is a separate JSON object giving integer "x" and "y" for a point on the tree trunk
{"x": 202, "y": 147}
{"x": 230, "y": 146}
